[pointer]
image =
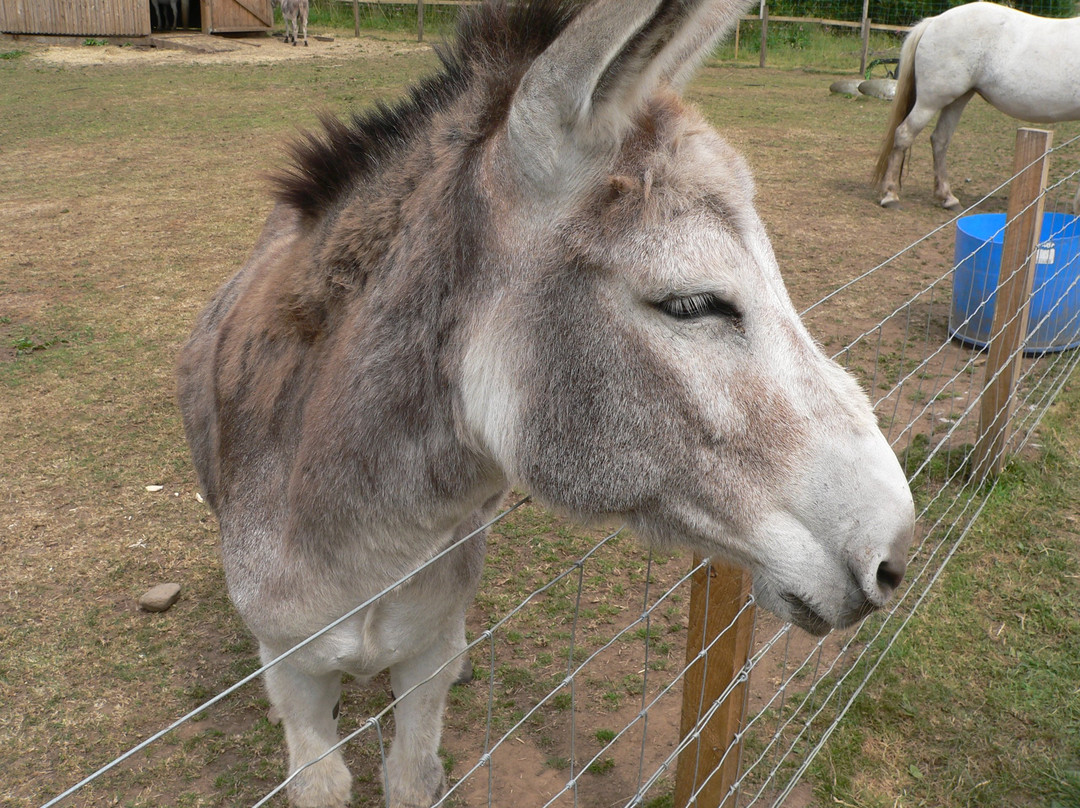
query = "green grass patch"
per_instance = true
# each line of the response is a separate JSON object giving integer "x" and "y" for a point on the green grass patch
{"x": 977, "y": 703}
{"x": 378, "y": 17}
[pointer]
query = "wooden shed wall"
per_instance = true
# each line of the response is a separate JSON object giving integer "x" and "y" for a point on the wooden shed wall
{"x": 76, "y": 17}
{"x": 224, "y": 16}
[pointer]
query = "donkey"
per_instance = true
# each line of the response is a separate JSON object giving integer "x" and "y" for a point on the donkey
{"x": 295, "y": 13}
{"x": 541, "y": 269}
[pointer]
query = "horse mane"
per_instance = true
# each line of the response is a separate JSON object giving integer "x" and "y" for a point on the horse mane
{"x": 494, "y": 43}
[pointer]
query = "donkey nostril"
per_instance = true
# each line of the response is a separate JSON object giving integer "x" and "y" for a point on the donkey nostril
{"x": 889, "y": 576}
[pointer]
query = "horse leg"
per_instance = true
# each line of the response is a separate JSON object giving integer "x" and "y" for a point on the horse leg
{"x": 306, "y": 703}
{"x": 904, "y": 136}
{"x": 939, "y": 140}
{"x": 303, "y": 18}
{"x": 414, "y": 771}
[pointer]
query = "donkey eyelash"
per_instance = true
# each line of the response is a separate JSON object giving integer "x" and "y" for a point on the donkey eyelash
{"x": 693, "y": 307}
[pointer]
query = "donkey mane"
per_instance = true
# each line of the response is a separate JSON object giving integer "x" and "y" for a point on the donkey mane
{"x": 494, "y": 43}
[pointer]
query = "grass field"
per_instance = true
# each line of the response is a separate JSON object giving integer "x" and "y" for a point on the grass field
{"x": 129, "y": 191}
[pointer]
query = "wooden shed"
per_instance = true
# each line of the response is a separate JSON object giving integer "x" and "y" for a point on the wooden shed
{"x": 128, "y": 18}
{"x": 235, "y": 16}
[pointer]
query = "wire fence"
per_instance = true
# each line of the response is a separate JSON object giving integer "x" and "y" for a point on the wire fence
{"x": 899, "y": 12}
{"x": 587, "y": 690}
{"x": 810, "y": 27}
{"x": 806, "y": 26}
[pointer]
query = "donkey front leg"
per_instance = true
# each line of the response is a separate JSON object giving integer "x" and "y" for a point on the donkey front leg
{"x": 414, "y": 771}
{"x": 307, "y": 705}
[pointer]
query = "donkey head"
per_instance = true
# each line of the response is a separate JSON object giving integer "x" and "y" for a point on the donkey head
{"x": 640, "y": 357}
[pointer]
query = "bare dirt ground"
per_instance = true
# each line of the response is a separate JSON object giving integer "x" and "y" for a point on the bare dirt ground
{"x": 190, "y": 48}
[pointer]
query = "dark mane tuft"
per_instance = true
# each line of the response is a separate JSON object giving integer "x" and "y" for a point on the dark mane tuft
{"x": 493, "y": 41}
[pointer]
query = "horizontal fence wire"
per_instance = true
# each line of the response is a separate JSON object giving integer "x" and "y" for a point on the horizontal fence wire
{"x": 577, "y": 640}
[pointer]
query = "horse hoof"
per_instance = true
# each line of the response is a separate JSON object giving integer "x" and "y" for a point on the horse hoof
{"x": 954, "y": 205}
{"x": 890, "y": 202}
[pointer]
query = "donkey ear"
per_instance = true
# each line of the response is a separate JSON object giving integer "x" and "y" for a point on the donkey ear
{"x": 578, "y": 98}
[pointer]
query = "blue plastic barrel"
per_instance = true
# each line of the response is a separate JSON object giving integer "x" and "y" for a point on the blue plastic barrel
{"x": 1054, "y": 317}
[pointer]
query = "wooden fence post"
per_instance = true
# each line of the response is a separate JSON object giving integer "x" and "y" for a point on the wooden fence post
{"x": 356, "y": 17}
{"x": 419, "y": 20}
{"x": 764, "y": 33}
{"x": 718, "y": 611}
{"x": 1018, "y": 256}
{"x": 865, "y": 37}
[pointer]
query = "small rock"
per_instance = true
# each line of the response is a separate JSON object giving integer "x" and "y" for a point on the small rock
{"x": 845, "y": 87}
{"x": 153, "y": 489}
{"x": 159, "y": 598}
{"x": 885, "y": 89}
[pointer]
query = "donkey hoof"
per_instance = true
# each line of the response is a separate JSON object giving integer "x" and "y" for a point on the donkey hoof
{"x": 418, "y": 784}
{"x": 326, "y": 784}
{"x": 466, "y": 674}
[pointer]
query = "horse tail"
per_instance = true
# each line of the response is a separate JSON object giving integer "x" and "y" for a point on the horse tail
{"x": 903, "y": 101}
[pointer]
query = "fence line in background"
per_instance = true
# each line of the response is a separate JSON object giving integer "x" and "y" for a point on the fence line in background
{"x": 807, "y": 13}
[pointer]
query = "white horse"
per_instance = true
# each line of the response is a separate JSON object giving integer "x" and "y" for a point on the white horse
{"x": 1026, "y": 66}
{"x": 541, "y": 269}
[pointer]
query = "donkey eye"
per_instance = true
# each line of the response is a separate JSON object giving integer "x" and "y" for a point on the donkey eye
{"x": 693, "y": 307}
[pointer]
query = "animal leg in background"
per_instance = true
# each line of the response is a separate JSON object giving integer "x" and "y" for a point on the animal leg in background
{"x": 159, "y": 16}
{"x": 943, "y": 132}
{"x": 295, "y": 13}
{"x": 169, "y": 19}
{"x": 905, "y": 135}
{"x": 290, "y": 24}
{"x": 302, "y": 14}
